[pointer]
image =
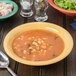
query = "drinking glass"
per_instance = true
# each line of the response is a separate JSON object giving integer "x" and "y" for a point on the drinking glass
{"x": 26, "y": 10}
{"x": 41, "y": 7}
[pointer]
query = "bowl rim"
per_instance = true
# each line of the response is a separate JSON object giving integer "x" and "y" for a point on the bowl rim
{"x": 38, "y": 63}
{"x": 51, "y": 2}
{"x": 15, "y": 9}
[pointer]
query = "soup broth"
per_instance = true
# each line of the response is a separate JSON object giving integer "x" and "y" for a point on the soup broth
{"x": 38, "y": 45}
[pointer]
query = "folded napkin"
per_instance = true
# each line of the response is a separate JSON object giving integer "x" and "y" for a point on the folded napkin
{"x": 73, "y": 25}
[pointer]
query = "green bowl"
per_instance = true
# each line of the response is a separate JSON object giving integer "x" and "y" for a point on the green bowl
{"x": 15, "y": 9}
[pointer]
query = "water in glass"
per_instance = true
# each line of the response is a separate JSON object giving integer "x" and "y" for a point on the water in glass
{"x": 26, "y": 8}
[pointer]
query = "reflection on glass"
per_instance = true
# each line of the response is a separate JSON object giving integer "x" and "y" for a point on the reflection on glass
{"x": 26, "y": 10}
{"x": 41, "y": 7}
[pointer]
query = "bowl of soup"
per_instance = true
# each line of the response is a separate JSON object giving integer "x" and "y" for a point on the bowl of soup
{"x": 38, "y": 43}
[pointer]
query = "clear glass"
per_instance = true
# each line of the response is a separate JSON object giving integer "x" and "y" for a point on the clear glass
{"x": 26, "y": 10}
{"x": 41, "y": 7}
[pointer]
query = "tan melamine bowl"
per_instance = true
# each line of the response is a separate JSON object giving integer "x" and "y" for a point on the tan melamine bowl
{"x": 68, "y": 41}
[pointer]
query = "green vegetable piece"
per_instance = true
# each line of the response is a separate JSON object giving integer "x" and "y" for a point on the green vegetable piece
{"x": 56, "y": 37}
{"x": 54, "y": 55}
{"x": 30, "y": 49}
{"x": 66, "y": 4}
{"x": 30, "y": 43}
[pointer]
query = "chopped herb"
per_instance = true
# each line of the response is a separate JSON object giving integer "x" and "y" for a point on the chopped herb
{"x": 54, "y": 55}
{"x": 30, "y": 49}
{"x": 32, "y": 42}
{"x": 56, "y": 37}
{"x": 29, "y": 44}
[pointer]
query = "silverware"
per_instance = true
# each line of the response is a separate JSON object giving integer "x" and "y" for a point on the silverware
{"x": 4, "y": 62}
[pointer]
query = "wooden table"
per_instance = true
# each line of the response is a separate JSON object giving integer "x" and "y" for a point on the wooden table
{"x": 66, "y": 67}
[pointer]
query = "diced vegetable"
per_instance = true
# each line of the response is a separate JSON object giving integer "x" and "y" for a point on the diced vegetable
{"x": 5, "y": 8}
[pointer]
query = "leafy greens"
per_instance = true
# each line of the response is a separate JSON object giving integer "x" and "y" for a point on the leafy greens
{"x": 66, "y": 4}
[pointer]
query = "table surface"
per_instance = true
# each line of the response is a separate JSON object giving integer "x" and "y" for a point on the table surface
{"x": 66, "y": 67}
